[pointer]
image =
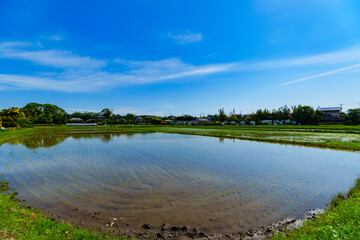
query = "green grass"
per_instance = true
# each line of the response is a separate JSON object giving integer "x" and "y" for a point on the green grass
{"x": 340, "y": 221}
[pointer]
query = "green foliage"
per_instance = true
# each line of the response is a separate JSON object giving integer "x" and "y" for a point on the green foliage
{"x": 353, "y": 117}
{"x": 222, "y": 116}
{"x": 129, "y": 118}
{"x": 306, "y": 115}
{"x": 24, "y": 123}
{"x": 44, "y": 113}
{"x": 106, "y": 112}
{"x": 185, "y": 118}
{"x": 85, "y": 116}
{"x": 9, "y": 117}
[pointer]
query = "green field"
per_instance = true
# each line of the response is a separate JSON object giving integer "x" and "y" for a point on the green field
{"x": 339, "y": 222}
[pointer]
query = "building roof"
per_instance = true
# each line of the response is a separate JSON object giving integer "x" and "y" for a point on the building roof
{"x": 202, "y": 120}
{"x": 330, "y": 109}
{"x": 75, "y": 119}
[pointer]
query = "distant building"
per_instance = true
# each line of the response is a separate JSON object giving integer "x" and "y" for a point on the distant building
{"x": 277, "y": 122}
{"x": 199, "y": 121}
{"x": 266, "y": 122}
{"x": 117, "y": 117}
{"x": 81, "y": 124}
{"x": 331, "y": 112}
{"x": 169, "y": 122}
{"x": 77, "y": 120}
{"x": 233, "y": 123}
{"x": 100, "y": 118}
{"x": 138, "y": 120}
{"x": 290, "y": 122}
{"x": 247, "y": 115}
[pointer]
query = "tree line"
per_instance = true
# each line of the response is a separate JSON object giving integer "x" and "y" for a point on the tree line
{"x": 36, "y": 113}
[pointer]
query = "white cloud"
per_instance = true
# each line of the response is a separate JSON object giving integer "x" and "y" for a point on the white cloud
{"x": 53, "y": 58}
{"x": 167, "y": 69}
{"x": 186, "y": 37}
{"x": 347, "y": 55}
{"x": 321, "y": 74}
{"x": 85, "y": 74}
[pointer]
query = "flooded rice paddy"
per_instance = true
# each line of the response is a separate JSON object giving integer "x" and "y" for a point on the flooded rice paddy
{"x": 218, "y": 185}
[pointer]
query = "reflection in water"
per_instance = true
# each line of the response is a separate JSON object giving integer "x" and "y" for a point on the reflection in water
{"x": 47, "y": 141}
{"x": 225, "y": 187}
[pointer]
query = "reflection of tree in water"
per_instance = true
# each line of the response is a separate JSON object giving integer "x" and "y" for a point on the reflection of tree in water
{"x": 103, "y": 137}
{"x": 47, "y": 141}
{"x": 221, "y": 139}
{"x": 41, "y": 141}
{"x": 130, "y": 135}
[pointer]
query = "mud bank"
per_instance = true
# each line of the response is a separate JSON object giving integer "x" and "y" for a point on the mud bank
{"x": 119, "y": 226}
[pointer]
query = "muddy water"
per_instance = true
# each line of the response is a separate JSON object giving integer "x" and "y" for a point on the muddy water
{"x": 217, "y": 185}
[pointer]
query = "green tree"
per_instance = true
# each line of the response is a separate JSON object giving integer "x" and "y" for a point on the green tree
{"x": 106, "y": 112}
{"x": 222, "y": 115}
{"x": 353, "y": 117}
{"x": 306, "y": 115}
{"x": 14, "y": 117}
{"x": 44, "y": 113}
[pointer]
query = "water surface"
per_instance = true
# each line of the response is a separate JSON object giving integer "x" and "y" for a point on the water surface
{"x": 219, "y": 185}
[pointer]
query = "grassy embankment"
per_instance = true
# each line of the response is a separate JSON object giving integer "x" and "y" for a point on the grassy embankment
{"x": 339, "y": 221}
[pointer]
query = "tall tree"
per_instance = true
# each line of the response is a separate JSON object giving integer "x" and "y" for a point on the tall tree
{"x": 353, "y": 116}
{"x": 106, "y": 112}
{"x": 306, "y": 115}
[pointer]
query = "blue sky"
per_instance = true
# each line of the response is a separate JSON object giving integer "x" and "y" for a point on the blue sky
{"x": 179, "y": 57}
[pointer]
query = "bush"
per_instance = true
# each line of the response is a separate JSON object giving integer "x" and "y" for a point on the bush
{"x": 24, "y": 123}
{"x": 9, "y": 124}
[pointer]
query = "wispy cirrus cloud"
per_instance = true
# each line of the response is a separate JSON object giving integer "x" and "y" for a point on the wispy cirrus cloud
{"x": 321, "y": 74}
{"x": 53, "y": 58}
{"x": 86, "y": 74}
{"x": 347, "y": 55}
{"x": 186, "y": 37}
{"x": 335, "y": 62}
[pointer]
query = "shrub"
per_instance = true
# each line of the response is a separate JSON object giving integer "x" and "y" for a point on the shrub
{"x": 24, "y": 123}
{"x": 9, "y": 124}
